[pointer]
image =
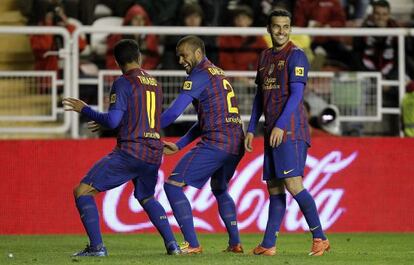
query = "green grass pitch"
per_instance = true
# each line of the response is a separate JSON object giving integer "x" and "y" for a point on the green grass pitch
{"x": 355, "y": 248}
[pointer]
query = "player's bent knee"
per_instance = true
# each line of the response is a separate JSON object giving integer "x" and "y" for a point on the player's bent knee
{"x": 294, "y": 185}
{"x": 84, "y": 189}
{"x": 174, "y": 183}
{"x": 172, "y": 187}
{"x": 275, "y": 187}
{"x": 143, "y": 200}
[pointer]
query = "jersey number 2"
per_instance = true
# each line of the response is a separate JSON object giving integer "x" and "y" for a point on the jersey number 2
{"x": 151, "y": 108}
{"x": 227, "y": 86}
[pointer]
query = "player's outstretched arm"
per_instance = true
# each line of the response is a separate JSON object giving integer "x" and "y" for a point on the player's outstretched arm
{"x": 73, "y": 104}
{"x": 191, "y": 135}
{"x": 175, "y": 110}
{"x": 109, "y": 120}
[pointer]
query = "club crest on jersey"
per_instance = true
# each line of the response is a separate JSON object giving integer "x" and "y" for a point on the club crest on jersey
{"x": 280, "y": 65}
{"x": 271, "y": 68}
{"x": 113, "y": 99}
{"x": 299, "y": 71}
{"x": 187, "y": 85}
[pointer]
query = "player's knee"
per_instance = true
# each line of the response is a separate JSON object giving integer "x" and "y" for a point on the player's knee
{"x": 83, "y": 189}
{"x": 77, "y": 192}
{"x": 143, "y": 200}
{"x": 294, "y": 185}
{"x": 275, "y": 191}
{"x": 168, "y": 187}
{"x": 275, "y": 187}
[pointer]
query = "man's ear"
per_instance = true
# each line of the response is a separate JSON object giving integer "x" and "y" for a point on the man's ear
{"x": 199, "y": 54}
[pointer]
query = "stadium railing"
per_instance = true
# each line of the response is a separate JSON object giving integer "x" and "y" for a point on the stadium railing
{"x": 29, "y": 99}
{"x": 357, "y": 95}
{"x": 365, "y": 106}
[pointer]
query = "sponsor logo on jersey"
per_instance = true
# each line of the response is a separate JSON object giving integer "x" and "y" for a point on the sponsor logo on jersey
{"x": 152, "y": 135}
{"x": 270, "y": 83}
{"x": 236, "y": 120}
{"x": 187, "y": 85}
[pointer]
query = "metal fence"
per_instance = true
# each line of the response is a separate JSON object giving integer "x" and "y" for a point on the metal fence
{"x": 362, "y": 100}
{"x": 29, "y": 100}
{"x": 357, "y": 95}
{"x": 28, "y": 96}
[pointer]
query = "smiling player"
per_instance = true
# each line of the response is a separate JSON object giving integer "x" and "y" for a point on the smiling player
{"x": 221, "y": 146}
{"x": 281, "y": 78}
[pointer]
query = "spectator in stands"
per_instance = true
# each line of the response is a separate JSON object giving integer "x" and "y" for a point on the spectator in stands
{"x": 191, "y": 16}
{"x": 262, "y": 8}
{"x": 215, "y": 12}
{"x": 408, "y": 111}
{"x": 148, "y": 43}
{"x": 355, "y": 11}
{"x": 240, "y": 52}
{"x": 35, "y": 10}
{"x": 378, "y": 53}
{"x": 82, "y": 10}
{"x": 45, "y": 47}
{"x": 323, "y": 14}
{"x": 161, "y": 12}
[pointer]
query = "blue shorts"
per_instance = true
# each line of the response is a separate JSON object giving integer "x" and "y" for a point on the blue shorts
{"x": 286, "y": 160}
{"x": 118, "y": 168}
{"x": 205, "y": 161}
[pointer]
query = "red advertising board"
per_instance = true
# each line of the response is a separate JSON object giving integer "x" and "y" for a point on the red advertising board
{"x": 359, "y": 185}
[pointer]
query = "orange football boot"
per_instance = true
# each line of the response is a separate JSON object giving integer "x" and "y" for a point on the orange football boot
{"x": 259, "y": 250}
{"x": 235, "y": 249}
{"x": 319, "y": 247}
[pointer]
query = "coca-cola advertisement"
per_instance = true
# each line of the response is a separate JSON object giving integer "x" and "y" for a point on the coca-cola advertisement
{"x": 359, "y": 185}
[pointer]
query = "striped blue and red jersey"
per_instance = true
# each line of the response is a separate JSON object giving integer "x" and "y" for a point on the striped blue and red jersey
{"x": 140, "y": 97}
{"x": 275, "y": 72}
{"x": 216, "y": 105}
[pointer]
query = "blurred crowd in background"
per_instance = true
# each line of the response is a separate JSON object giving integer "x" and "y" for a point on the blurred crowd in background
{"x": 229, "y": 52}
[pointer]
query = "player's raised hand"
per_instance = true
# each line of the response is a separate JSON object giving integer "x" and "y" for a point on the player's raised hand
{"x": 93, "y": 126}
{"x": 73, "y": 104}
{"x": 248, "y": 140}
{"x": 276, "y": 137}
{"x": 170, "y": 148}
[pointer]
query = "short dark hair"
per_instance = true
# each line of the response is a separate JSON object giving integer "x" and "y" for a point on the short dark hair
{"x": 243, "y": 10}
{"x": 194, "y": 41}
{"x": 381, "y": 3}
{"x": 126, "y": 51}
{"x": 190, "y": 9}
{"x": 279, "y": 13}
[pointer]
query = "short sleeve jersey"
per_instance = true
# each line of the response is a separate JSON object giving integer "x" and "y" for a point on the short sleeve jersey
{"x": 140, "y": 97}
{"x": 275, "y": 72}
{"x": 216, "y": 105}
